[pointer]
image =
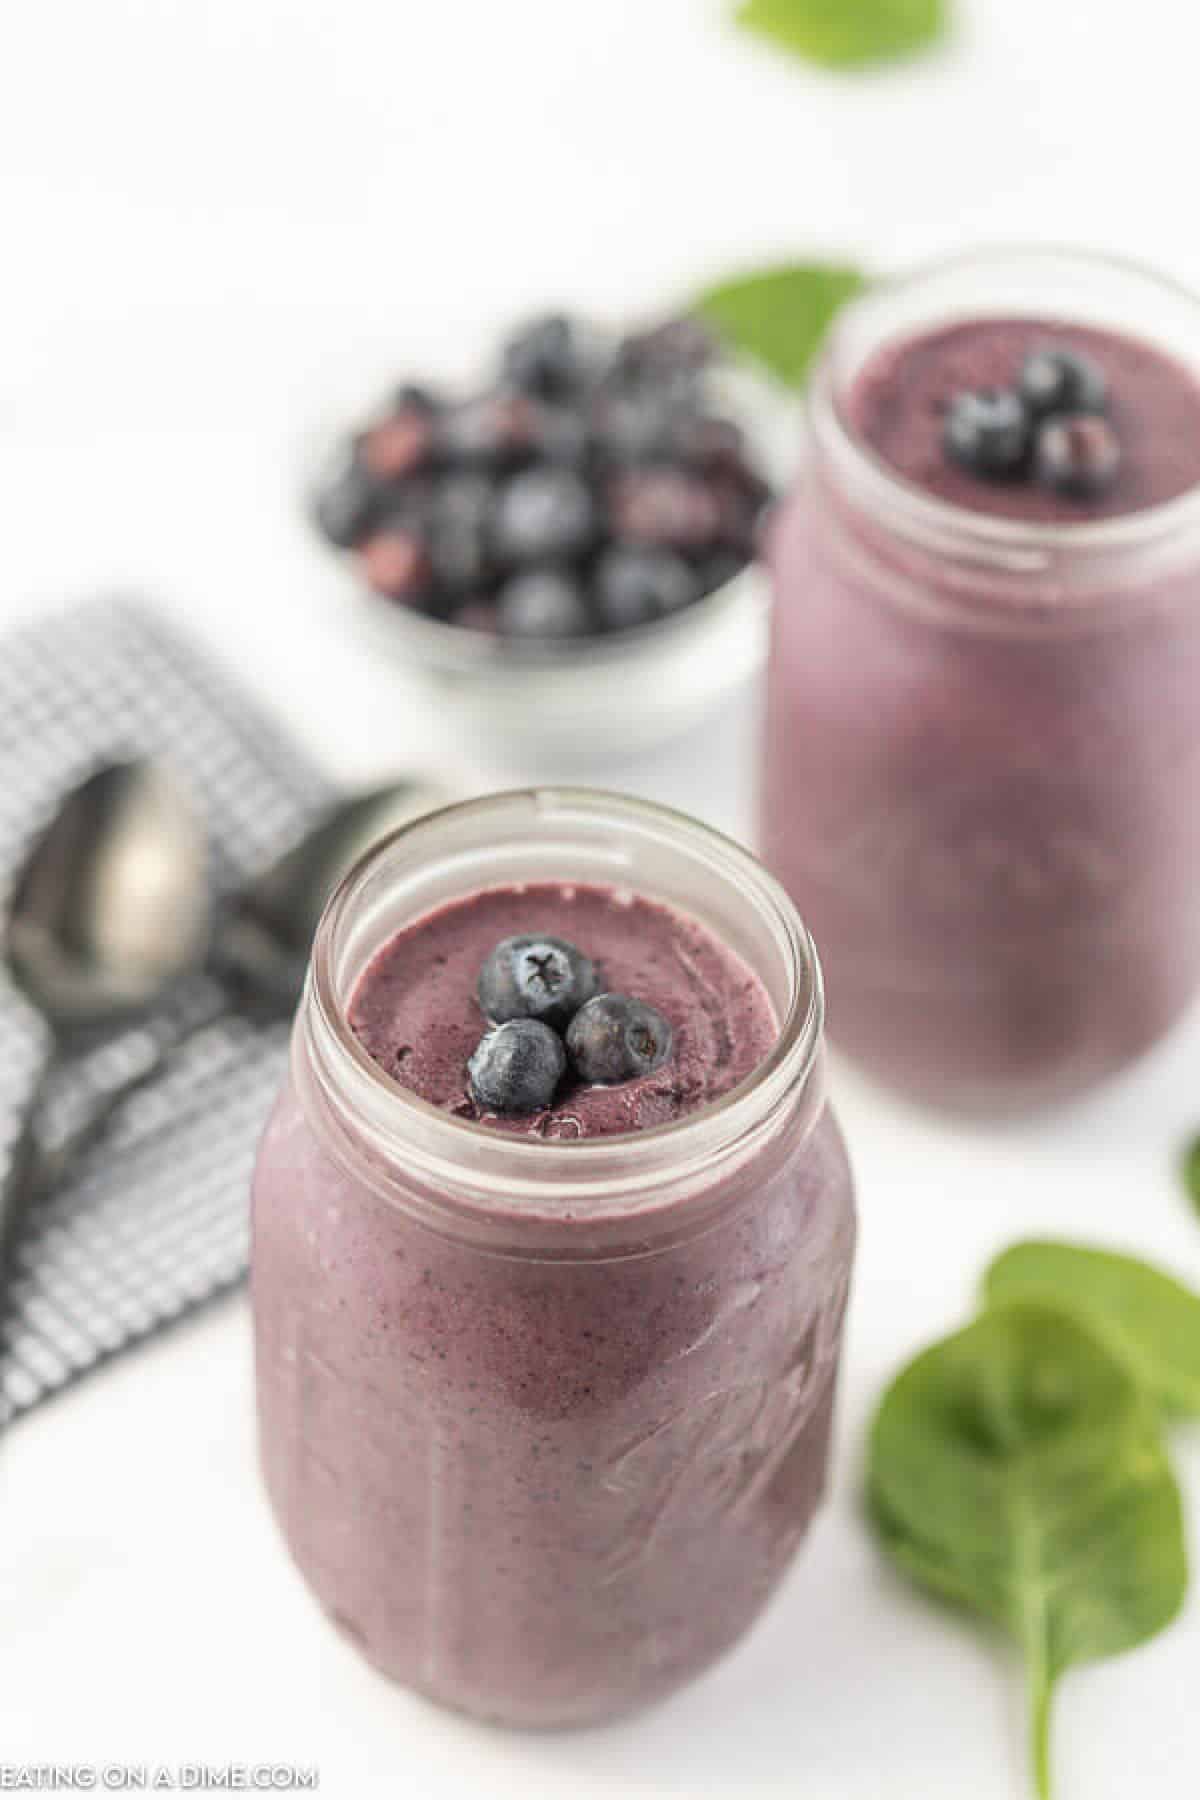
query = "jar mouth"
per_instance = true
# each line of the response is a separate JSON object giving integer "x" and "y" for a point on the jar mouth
{"x": 925, "y": 297}
{"x": 518, "y": 1173}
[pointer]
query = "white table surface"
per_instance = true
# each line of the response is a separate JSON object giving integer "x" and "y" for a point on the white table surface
{"x": 216, "y": 220}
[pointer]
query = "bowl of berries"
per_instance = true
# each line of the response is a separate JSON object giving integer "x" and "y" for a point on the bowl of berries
{"x": 574, "y": 536}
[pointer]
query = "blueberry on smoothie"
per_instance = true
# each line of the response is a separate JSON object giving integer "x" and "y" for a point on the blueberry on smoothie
{"x": 1057, "y": 380}
{"x": 616, "y": 1038}
{"x": 987, "y": 432}
{"x": 543, "y": 978}
{"x": 1077, "y": 454}
{"x": 517, "y": 1067}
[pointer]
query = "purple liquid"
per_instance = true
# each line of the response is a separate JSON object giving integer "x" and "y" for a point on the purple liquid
{"x": 991, "y": 825}
{"x": 416, "y": 1013}
{"x": 547, "y": 1490}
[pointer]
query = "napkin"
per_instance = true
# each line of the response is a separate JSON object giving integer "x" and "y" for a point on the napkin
{"x": 153, "y": 1220}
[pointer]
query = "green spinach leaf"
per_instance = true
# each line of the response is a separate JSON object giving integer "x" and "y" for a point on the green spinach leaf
{"x": 779, "y": 315}
{"x": 1191, "y": 1172}
{"x": 843, "y": 33}
{"x": 1146, "y": 1317}
{"x": 1016, "y": 1470}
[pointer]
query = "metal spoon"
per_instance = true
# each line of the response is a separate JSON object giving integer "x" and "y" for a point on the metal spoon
{"x": 261, "y": 942}
{"x": 110, "y": 908}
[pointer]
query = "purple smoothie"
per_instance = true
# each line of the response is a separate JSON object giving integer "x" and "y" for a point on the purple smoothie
{"x": 982, "y": 783}
{"x": 416, "y": 1013}
{"x": 546, "y": 1471}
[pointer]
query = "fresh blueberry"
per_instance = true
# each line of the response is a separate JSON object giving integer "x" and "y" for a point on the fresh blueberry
{"x": 718, "y": 568}
{"x": 414, "y": 396}
{"x": 634, "y": 583}
{"x": 516, "y": 1067}
{"x": 633, "y": 425}
{"x": 542, "y": 603}
{"x": 460, "y": 515}
{"x": 542, "y": 978}
{"x": 615, "y": 1038}
{"x": 543, "y": 514}
{"x": 678, "y": 346}
{"x": 546, "y": 357}
{"x": 395, "y": 562}
{"x": 499, "y": 427}
{"x": 560, "y": 434}
{"x": 987, "y": 432}
{"x": 1057, "y": 380}
{"x": 667, "y": 506}
{"x": 708, "y": 442}
{"x": 398, "y": 446}
{"x": 346, "y": 502}
{"x": 1077, "y": 454}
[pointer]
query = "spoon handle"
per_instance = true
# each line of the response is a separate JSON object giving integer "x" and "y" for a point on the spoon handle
{"x": 20, "y": 1182}
{"x": 166, "y": 1038}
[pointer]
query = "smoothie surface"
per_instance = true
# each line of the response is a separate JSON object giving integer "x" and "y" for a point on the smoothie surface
{"x": 415, "y": 1010}
{"x": 898, "y": 402}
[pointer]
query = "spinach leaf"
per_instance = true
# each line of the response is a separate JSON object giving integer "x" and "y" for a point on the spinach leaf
{"x": 842, "y": 33}
{"x": 1148, "y": 1319}
{"x": 780, "y": 315}
{"x": 1191, "y": 1172}
{"x": 1016, "y": 1470}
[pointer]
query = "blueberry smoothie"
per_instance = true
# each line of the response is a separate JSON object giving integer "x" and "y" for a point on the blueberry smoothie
{"x": 983, "y": 763}
{"x": 552, "y": 1241}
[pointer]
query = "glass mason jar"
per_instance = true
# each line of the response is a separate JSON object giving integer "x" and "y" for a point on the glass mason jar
{"x": 982, "y": 779}
{"x": 543, "y": 1422}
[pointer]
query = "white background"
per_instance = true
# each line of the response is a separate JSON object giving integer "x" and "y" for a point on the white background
{"x": 216, "y": 219}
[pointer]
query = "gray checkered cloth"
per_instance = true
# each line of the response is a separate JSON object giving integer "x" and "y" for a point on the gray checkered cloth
{"x": 153, "y": 1220}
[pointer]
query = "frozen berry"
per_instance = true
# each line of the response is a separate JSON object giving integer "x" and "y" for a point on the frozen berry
{"x": 633, "y": 583}
{"x": 681, "y": 345}
{"x": 460, "y": 513}
{"x": 667, "y": 506}
{"x": 1078, "y": 454}
{"x": 496, "y": 427}
{"x": 718, "y": 568}
{"x": 542, "y": 978}
{"x": 546, "y": 357}
{"x": 542, "y": 603}
{"x": 346, "y": 502}
{"x": 615, "y": 1038}
{"x": 633, "y": 425}
{"x": 710, "y": 443}
{"x": 395, "y": 562}
{"x": 542, "y": 515}
{"x": 560, "y": 434}
{"x": 1057, "y": 380}
{"x": 987, "y": 432}
{"x": 397, "y": 446}
{"x": 517, "y": 1067}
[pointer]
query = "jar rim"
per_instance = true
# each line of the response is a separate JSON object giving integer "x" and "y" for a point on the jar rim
{"x": 515, "y": 1174}
{"x": 1017, "y": 545}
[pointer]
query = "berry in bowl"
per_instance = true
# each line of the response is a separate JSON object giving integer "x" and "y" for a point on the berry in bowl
{"x": 578, "y": 533}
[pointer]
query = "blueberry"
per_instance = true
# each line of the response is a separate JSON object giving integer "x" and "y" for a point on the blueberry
{"x": 395, "y": 562}
{"x": 542, "y": 978}
{"x": 614, "y": 1038}
{"x": 633, "y": 584}
{"x": 987, "y": 432}
{"x": 398, "y": 446}
{"x": 414, "y": 396}
{"x": 542, "y": 603}
{"x": 678, "y": 346}
{"x": 1077, "y": 454}
{"x": 498, "y": 427}
{"x": 546, "y": 357}
{"x": 667, "y": 506}
{"x": 516, "y": 1067}
{"x": 560, "y": 434}
{"x": 1057, "y": 380}
{"x": 543, "y": 514}
{"x": 719, "y": 568}
{"x": 346, "y": 502}
{"x": 460, "y": 515}
{"x": 633, "y": 426}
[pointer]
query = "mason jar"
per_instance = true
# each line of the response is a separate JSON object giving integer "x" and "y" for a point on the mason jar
{"x": 982, "y": 777}
{"x": 543, "y": 1422}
